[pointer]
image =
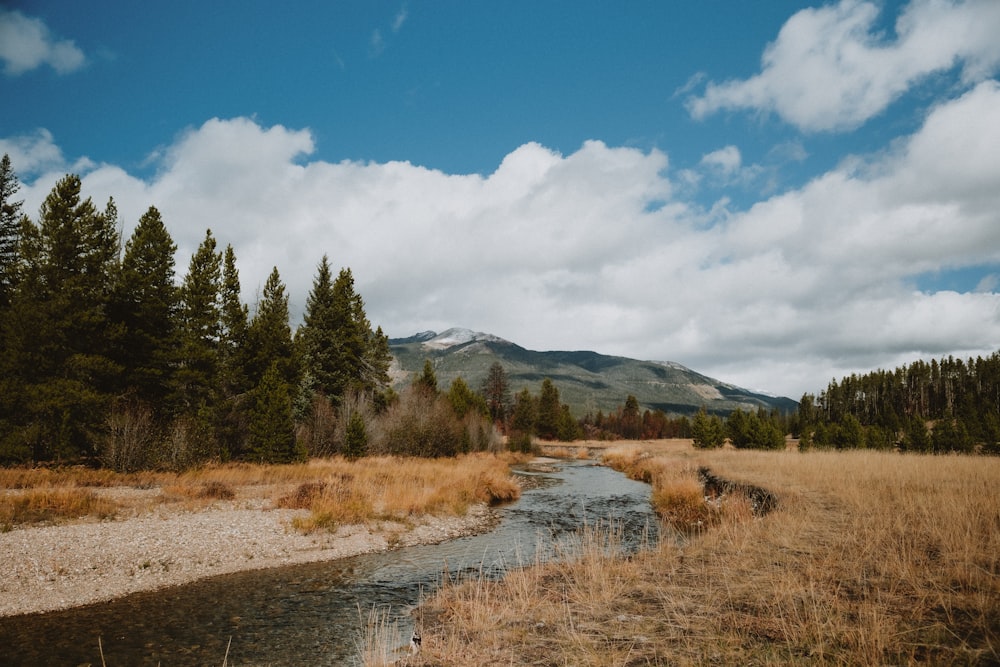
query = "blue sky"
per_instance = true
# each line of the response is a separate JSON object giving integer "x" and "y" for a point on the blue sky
{"x": 773, "y": 193}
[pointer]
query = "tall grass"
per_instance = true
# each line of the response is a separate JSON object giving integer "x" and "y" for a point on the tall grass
{"x": 868, "y": 558}
{"x": 388, "y": 487}
{"x": 336, "y": 491}
{"x": 381, "y": 641}
{"x": 678, "y": 495}
{"x": 52, "y": 504}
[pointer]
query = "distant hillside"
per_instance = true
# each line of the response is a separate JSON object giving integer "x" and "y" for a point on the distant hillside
{"x": 587, "y": 381}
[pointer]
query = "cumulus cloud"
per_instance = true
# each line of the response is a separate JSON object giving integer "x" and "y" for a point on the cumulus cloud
{"x": 597, "y": 249}
{"x": 26, "y": 44}
{"x": 829, "y": 69}
{"x": 33, "y": 153}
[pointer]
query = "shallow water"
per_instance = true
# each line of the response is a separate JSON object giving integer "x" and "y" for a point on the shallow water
{"x": 312, "y": 614}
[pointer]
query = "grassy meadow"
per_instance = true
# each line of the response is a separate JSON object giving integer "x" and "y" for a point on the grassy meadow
{"x": 867, "y": 558}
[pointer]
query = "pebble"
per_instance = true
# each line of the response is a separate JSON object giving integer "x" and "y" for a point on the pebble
{"x": 56, "y": 567}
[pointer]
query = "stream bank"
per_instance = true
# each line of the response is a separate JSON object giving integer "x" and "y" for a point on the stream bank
{"x": 312, "y": 613}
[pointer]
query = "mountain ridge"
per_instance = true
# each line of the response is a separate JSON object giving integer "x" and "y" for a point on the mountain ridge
{"x": 588, "y": 381}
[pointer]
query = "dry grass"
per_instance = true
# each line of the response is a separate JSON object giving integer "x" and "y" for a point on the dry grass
{"x": 335, "y": 490}
{"x": 27, "y": 478}
{"x": 388, "y": 487}
{"x": 869, "y": 558}
{"x": 381, "y": 641}
{"x": 52, "y": 504}
{"x": 564, "y": 451}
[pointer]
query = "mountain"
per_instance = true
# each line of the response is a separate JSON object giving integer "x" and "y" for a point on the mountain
{"x": 587, "y": 381}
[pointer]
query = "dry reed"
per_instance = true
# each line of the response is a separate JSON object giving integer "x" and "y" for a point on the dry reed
{"x": 381, "y": 641}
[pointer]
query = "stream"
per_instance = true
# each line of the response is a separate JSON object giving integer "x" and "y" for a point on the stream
{"x": 312, "y": 614}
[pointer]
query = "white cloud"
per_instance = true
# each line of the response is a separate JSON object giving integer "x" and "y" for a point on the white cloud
{"x": 726, "y": 160}
{"x": 569, "y": 251}
{"x": 988, "y": 283}
{"x": 27, "y": 44}
{"x": 33, "y": 153}
{"x": 829, "y": 69}
{"x": 400, "y": 19}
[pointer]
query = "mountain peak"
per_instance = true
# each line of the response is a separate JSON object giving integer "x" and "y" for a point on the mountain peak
{"x": 458, "y": 336}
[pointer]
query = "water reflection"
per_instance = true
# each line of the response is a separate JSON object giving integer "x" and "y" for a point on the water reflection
{"x": 311, "y": 614}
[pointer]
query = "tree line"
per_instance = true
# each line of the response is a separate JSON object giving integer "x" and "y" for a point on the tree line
{"x": 629, "y": 423}
{"x": 105, "y": 356}
{"x": 943, "y": 406}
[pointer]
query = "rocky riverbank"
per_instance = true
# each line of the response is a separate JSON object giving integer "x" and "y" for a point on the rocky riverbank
{"x": 61, "y": 566}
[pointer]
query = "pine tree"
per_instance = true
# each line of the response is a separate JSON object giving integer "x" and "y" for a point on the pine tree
{"x": 569, "y": 428}
{"x": 765, "y": 434}
{"x": 463, "y": 400}
{"x": 349, "y": 333}
{"x": 427, "y": 381}
{"x": 378, "y": 358}
{"x": 631, "y": 421}
{"x": 707, "y": 431}
{"x": 232, "y": 405}
{"x": 549, "y": 409}
{"x": 147, "y": 303}
{"x": 316, "y": 338}
{"x": 915, "y": 436}
{"x": 268, "y": 347}
{"x": 272, "y": 427}
{"x": 10, "y": 223}
{"x": 269, "y": 338}
{"x": 235, "y": 321}
{"x": 60, "y": 335}
{"x": 340, "y": 352}
{"x": 200, "y": 327}
{"x": 356, "y": 437}
{"x": 496, "y": 391}
{"x": 522, "y": 421}
{"x": 737, "y": 428}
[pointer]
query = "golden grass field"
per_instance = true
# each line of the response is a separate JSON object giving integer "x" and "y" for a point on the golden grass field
{"x": 870, "y": 558}
{"x": 336, "y": 491}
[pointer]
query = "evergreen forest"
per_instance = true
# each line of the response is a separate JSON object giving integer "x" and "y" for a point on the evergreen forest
{"x": 106, "y": 358}
{"x": 947, "y": 405}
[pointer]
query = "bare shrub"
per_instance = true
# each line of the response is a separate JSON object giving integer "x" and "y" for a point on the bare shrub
{"x": 418, "y": 424}
{"x": 190, "y": 442}
{"x": 131, "y": 436}
{"x": 318, "y": 431}
{"x": 216, "y": 490}
{"x": 481, "y": 434}
{"x": 177, "y": 455}
{"x": 303, "y": 497}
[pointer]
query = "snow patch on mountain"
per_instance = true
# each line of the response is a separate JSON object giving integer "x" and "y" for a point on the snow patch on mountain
{"x": 459, "y": 336}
